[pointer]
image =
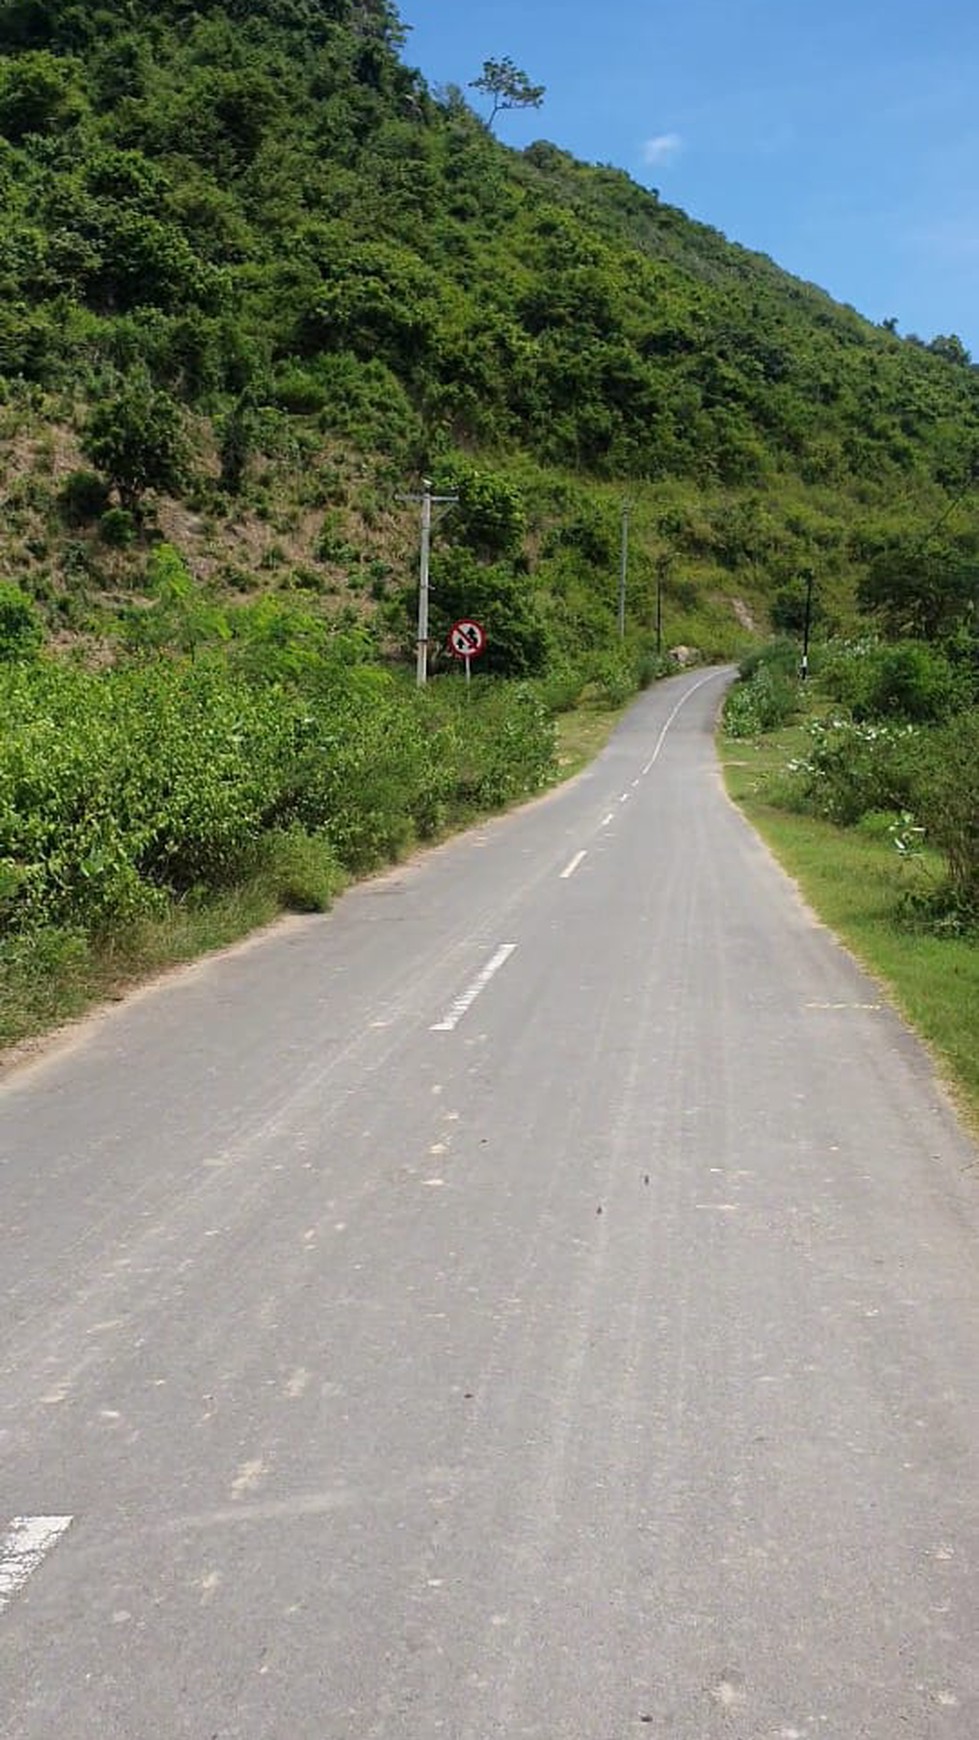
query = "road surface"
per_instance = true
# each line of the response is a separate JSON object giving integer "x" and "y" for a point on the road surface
{"x": 540, "y": 1299}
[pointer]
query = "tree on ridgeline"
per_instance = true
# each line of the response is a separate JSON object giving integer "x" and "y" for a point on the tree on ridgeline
{"x": 509, "y": 87}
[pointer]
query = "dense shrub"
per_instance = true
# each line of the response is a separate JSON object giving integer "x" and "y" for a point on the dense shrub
{"x": 945, "y": 799}
{"x": 121, "y": 789}
{"x": 610, "y": 678}
{"x": 118, "y": 528}
{"x": 898, "y": 680}
{"x": 766, "y": 694}
{"x": 777, "y": 655}
{"x": 851, "y": 770}
{"x": 21, "y": 632}
{"x": 84, "y": 497}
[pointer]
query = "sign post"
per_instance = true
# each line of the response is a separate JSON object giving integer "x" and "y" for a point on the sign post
{"x": 467, "y": 639}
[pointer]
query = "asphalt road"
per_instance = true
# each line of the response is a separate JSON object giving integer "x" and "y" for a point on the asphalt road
{"x": 539, "y": 1299}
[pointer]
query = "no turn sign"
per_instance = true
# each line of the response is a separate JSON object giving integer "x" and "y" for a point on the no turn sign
{"x": 467, "y": 639}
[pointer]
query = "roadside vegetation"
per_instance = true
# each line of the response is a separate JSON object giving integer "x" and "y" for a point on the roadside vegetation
{"x": 257, "y": 283}
{"x": 865, "y": 781}
{"x": 166, "y": 803}
{"x": 159, "y": 799}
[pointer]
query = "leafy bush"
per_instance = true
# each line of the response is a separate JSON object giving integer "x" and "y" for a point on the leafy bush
{"x": 21, "y": 632}
{"x": 84, "y": 497}
{"x": 301, "y": 870}
{"x": 651, "y": 667}
{"x": 560, "y": 689}
{"x": 300, "y": 393}
{"x": 908, "y": 680}
{"x": 118, "y": 528}
{"x": 779, "y": 655}
{"x": 610, "y": 678}
{"x": 945, "y": 799}
{"x": 851, "y": 770}
{"x": 488, "y": 515}
{"x": 765, "y": 696}
{"x": 122, "y": 789}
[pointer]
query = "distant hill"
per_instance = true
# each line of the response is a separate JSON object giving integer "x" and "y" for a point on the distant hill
{"x": 258, "y": 212}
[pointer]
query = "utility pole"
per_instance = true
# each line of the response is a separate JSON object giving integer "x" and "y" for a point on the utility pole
{"x": 623, "y": 568}
{"x": 662, "y": 569}
{"x": 421, "y": 661}
{"x": 428, "y": 500}
{"x": 806, "y": 623}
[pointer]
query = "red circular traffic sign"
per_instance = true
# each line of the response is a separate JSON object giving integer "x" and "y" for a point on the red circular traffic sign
{"x": 467, "y": 639}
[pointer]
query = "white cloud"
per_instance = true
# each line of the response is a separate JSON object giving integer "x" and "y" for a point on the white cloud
{"x": 662, "y": 149}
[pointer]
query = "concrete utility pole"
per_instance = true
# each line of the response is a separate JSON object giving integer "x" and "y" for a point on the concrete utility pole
{"x": 662, "y": 570}
{"x": 809, "y": 577}
{"x": 428, "y": 500}
{"x": 623, "y": 568}
{"x": 421, "y": 667}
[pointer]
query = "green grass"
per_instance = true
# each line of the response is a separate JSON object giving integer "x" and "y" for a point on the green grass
{"x": 62, "y": 974}
{"x": 581, "y": 734}
{"x": 857, "y": 884}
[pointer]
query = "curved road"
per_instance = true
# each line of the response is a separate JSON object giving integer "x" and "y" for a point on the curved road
{"x": 539, "y": 1299}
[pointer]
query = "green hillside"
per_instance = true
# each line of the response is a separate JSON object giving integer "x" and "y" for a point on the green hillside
{"x": 259, "y": 278}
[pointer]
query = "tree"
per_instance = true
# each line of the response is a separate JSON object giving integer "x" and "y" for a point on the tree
{"x": 508, "y": 86}
{"x": 489, "y": 515}
{"x": 37, "y": 95}
{"x": 137, "y": 440}
{"x": 788, "y": 610}
{"x": 502, "y": 601}
{"x": 922, "y": 591}
{"x": 950, "y": 347}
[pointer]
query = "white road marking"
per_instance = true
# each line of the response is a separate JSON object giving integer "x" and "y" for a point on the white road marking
{"x": 681, "y": 703}
{"x": 609, "y": 818}
{"x": 463, "y": 1004}
{"x": 624, "y": 799}
{"x": 28, "y": 1541}
{"x": 870, "y": 1006}
{"x": 572, "y": 867}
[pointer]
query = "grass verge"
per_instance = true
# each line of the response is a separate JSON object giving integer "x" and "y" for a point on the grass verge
{"x": 858, "y": 885}
{"x": 580, "y": 735}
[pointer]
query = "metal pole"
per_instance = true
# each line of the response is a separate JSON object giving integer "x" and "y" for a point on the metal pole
{"x": 806, "y": 625}
{"x": 421, "y": 671}
{"x": 660, "y": 571}
{"x": 623, "y": 570}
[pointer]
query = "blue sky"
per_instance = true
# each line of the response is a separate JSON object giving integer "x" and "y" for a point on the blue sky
{"x": 840, "y": 138}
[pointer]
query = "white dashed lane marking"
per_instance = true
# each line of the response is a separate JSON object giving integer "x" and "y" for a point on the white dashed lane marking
{"x": 570, "y": 869}
{"x": 26, "y": 1544}
{"x": 462, "y": 1004}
